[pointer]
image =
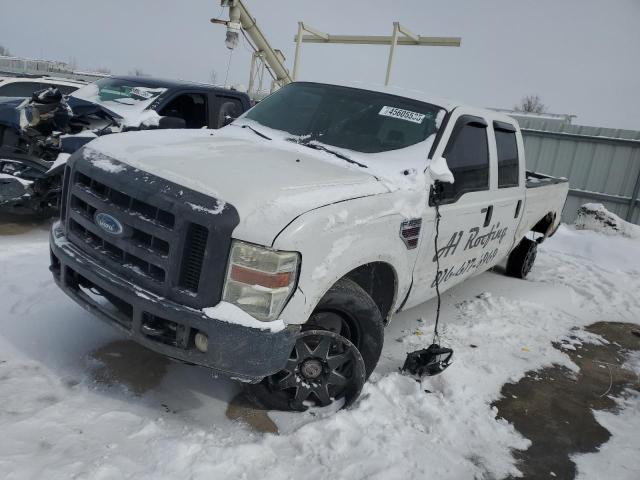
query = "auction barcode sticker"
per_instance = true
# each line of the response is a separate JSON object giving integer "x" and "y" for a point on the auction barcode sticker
{"x": 407, "y": 115}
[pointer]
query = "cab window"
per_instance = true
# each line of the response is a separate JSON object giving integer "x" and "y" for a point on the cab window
{"x": 191, "y": 107}
{"x": 507, "y": 146}
{"x": 467, "y": 155}
{"x": 230, "y": 109}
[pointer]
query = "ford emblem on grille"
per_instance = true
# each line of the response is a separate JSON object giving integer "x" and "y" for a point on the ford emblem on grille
{"x": 108, "y": 223}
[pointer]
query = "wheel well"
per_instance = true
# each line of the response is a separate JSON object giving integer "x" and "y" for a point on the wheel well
{"x": 378, "y": 279}
{"x": 544, "y": 224}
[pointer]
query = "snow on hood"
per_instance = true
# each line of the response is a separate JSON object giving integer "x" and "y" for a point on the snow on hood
{"x": 270, "y": 183}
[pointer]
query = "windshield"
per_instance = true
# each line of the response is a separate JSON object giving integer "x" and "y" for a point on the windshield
{"x": 118, "y": 95}
{"x": 360, "y": 120}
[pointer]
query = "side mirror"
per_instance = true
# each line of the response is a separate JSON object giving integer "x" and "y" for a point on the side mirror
{"x": 227, "y": 120}
{"x": 439, "y": 171}
{"x": 172, "y": 122}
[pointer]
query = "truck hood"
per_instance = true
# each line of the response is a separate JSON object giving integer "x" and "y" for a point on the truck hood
{"x": 270, "y": 183}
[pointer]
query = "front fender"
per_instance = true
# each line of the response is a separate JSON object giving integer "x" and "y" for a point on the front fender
{"x": 338, "y": 238}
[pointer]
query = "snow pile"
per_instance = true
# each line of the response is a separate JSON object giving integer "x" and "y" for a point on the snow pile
{"x": 57, "y": 422}
{"x": 594, "y": 216}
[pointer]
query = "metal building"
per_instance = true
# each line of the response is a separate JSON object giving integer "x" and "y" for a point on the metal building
{"x": 602, "y": 164}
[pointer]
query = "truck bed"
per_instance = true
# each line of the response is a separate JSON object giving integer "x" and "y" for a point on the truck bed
{"x": 535, "y": 179}
{"x": 544, "y": 194}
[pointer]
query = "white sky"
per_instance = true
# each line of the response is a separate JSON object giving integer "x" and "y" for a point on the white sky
{"x": 581, "y": 56}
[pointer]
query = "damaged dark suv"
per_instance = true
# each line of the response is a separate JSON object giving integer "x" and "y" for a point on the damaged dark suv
{"x": 38, "y": 134}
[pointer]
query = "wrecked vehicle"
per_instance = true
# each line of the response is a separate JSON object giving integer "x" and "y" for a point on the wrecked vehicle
{"x": 38, "y": 134}
{"x": 276, "y": 249}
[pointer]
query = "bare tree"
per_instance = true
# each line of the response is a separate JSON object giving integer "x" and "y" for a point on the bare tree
{"x": 138, "y": 72}
{"x": 213, "y": 77}
{"x": 104, "y": 70}
{"x": 532, "y": 104}
{"x": 4, "y": 52}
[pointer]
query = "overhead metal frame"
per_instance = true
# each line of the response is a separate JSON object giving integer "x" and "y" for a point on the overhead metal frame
{"x": 401, "y": 36}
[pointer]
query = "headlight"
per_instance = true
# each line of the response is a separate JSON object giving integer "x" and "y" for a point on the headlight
{"x": 260, "y": 281}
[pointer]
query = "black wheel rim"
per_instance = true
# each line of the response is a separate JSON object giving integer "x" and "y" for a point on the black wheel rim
{"x": 323, "y": 367}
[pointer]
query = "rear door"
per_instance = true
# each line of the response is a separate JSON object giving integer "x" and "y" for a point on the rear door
{"x": 508, "y": 187}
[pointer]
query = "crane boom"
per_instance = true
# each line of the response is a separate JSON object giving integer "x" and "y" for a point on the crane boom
{"x": 239, "y": 16}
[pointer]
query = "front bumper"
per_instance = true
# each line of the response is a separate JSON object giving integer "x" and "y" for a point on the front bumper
{"x": 164, "y": 326}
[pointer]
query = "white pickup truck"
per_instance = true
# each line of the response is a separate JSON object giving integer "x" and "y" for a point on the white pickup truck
{"x": 276, "y": 249}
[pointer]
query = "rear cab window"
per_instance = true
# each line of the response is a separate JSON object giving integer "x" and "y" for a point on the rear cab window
{"x": 230, "y": 109}
{"x": 191, "y": 107}
{"x": 508, "y": 161}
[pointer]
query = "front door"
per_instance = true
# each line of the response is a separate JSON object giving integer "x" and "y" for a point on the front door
{"x": 467, "y": 237}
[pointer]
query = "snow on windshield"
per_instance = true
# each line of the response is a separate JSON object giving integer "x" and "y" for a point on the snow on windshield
{"x": 120, "y": 96}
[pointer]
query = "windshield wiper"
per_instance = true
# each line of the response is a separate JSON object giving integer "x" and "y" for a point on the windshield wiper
{"x": 253, "y": 130}
{"x": 317, "y": 146}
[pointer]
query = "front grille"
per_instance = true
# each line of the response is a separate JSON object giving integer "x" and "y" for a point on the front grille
{"x": 127, "y": 260}
{"x": 127, "y": 202}
{"x": 193, "y": 256}
{"x": 165, "y": 246}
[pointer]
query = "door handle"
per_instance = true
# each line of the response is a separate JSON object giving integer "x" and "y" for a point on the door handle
{"x": 489, "y": 214}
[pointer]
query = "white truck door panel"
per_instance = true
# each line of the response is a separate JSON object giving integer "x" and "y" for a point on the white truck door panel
{"x": 466, "y": 238}
{"x": 507, "y": 188}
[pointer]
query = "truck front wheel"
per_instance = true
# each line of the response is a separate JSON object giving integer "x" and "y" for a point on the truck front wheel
{"x": 521, "y": 259}
{"x": 335, "y": 353}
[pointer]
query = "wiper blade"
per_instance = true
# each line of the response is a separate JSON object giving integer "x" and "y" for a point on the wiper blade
{"x": 317, "y": 146}
{"x": 253, "y": 130}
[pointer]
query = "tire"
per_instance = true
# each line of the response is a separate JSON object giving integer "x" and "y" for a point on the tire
{"x": 362, "y": 324}
{"x": 521, "y": 259}
{"x": 353, "y": 320}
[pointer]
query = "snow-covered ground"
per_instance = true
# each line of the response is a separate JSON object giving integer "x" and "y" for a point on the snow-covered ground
{"x": 58, "y": 421}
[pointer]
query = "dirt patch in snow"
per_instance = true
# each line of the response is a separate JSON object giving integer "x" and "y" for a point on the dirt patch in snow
{"x": 126, "y": 363}
{"x": 241, "y": 408}
{"x": 553, "y": 407}
{"x": 17, "y": 225}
